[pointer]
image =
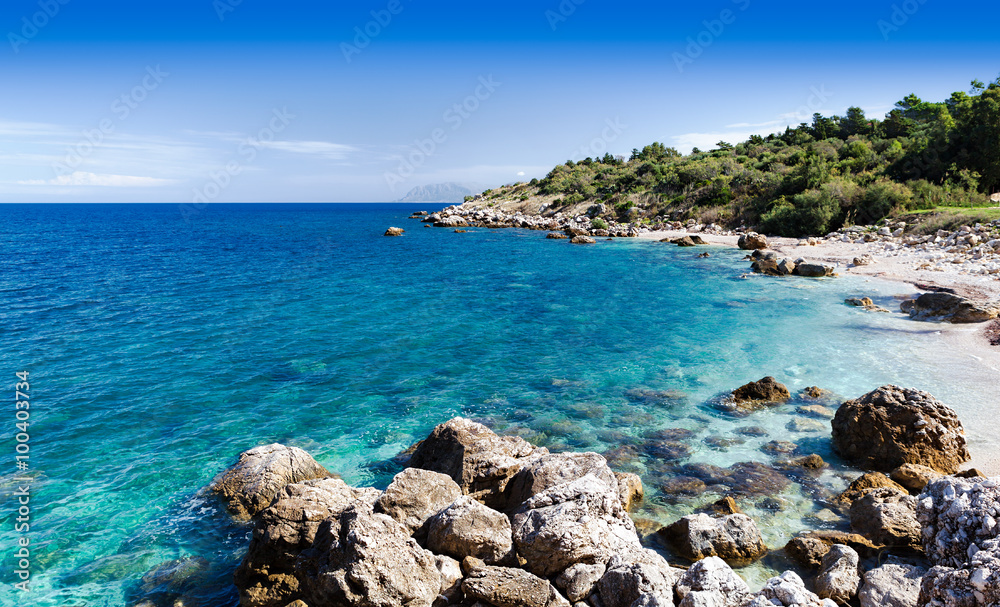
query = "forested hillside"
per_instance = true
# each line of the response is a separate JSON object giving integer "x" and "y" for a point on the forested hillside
{"x": 812, "y": 179}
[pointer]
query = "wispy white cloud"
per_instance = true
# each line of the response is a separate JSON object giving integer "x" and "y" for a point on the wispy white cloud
{"x": 335, "y": 151}
{"x": 83, "y": 178}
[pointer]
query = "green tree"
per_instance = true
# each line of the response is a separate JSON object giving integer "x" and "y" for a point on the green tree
{"x": 854, "y": 123}
{"x": 983, "y": 138}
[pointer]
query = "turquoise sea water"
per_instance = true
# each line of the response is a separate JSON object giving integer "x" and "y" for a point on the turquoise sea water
{"x": 158, "y": 349}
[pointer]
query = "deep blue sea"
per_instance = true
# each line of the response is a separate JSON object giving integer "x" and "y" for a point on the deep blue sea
{"x": 159, "y": 348}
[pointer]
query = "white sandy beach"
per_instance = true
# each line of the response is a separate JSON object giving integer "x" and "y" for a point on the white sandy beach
{"x": 966, "y": 349}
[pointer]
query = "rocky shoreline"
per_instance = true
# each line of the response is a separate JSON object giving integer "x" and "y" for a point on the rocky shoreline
{"x": 974, "y": 250}
{"x": 477, "y": 518}
{"x": 967, "y": 260}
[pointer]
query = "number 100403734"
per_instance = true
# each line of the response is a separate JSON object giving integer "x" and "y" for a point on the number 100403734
{"x": 22, "y": 414}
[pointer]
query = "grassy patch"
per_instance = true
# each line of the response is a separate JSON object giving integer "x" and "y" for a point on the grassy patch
{"x": 949, "y": 218}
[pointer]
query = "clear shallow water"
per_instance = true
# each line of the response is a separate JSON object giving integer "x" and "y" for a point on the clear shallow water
{"x": 160, "y": 349}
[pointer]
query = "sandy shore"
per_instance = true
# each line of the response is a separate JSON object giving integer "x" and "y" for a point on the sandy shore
{"x": 966, "y": 346}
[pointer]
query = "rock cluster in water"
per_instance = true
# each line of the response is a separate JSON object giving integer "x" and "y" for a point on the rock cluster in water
{"x": 479, "y": 518}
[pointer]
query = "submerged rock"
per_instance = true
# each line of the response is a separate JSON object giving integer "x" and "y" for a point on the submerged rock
{"x": 892, "y": 426}
{"x": 866, "y": 303}
{"x": 249, "y": 485}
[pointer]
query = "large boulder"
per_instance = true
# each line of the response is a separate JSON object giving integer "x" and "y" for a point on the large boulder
{"x": 887, "y": 517}
{"x": 752, "y": 241}
{"x": 508, "y": 587}
{"x": 286, "y": 528}
{"x": 555, "y": 469}
{"x": 582, "y": 521}
{"x": 768, "y": 390}
{"x": 839, "y": 577}
{"x": 642, "y": 577}
{"x": 949, "y": 307}
{"x": 734, "y": 538}
{"x": 249, "y": 485}
{"x": 892, "y": 585}
{"x": 976, "y": 584}
{"x": 474, "y": 457}
{"x": 468, "y": 528}
{"x": 812, "y": 270}
{"x": 368, "y": 559}
{"x": 957, "y": 515}
{"x": 415, "y": 495}
{"x": 711, "y": 582}
{"x": 892, "y": 426}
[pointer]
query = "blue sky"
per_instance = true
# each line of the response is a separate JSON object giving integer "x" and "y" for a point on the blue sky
{"x": 248, "y": 100}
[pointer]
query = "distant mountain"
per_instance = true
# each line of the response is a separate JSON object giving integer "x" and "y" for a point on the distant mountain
{"x": 442, "y": 192}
